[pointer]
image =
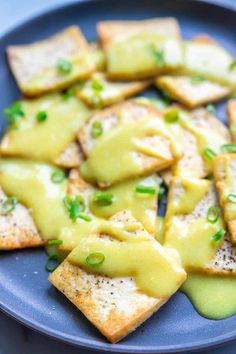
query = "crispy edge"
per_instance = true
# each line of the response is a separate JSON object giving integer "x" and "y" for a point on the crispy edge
{"x": 71, "y": 157}
{"x": 231, "y": 116}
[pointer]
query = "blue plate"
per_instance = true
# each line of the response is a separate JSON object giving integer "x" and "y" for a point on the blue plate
{"x": 25, "y": 293}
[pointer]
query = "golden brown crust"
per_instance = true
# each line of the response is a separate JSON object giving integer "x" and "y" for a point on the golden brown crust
{"x": 17, "y": 230}
{"x": 71, "y": 157}
{"x": 231, "y": 115}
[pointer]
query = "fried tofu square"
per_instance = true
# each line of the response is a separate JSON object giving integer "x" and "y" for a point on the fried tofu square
{"x": 231, "y": 115}
{"x": 188, "y": 229}
{"x": 192, "y": 91}
{"x": 63, "y": 118}
{"x": 155, "y": 45}
{"x": 17, "y": 228}
{"x": 152, "y": 149}
{"x": 51, "y": 64}
{"x": 114, "y": 305}
{"x": 99, "y": 92}
{"x": 143, "y": 207}
{"x": 98, "y": 56}
{"x": 225, "y": 176}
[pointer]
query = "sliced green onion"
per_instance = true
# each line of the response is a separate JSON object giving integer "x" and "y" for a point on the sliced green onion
{"x": 209, "y": 154}
{"x": 228, "y": 148}
{"x": 159, "y": 56}
{"x": 145, "y": 189}
{"x": 97, "y": 129}
{"x": 232, "y": 65}
{"x": 64, "y": 67}
{"x": 195, "y": 80}
{"x": 95, "y": 259}
{"x": 213, "y": 214}
{"x": 166, "y": 97}
{"x": 74, "y": 205}
{"x": 103, "y": 199}
{"x": 233, "y": 96}
{"x": 14, "y": 113}
{"x": 162, "y": 192}
{"x": 159, "y": 104}
{"x": 42, "y": 116}
{"x": 96, "y": 85}
{"x": 8, "y": 206}
{"x": 85, "y": 217}
{"x": 232, "y": 198}
{"x": 58, "y": 176}
{"x": 53, "y": 262}
{"x": 172, "y": 116}
{"x": 218, "y": 235}
{"x": 211, "y": 109}
{"x": 55, "y": 242}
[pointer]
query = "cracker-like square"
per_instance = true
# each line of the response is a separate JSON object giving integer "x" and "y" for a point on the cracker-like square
{"x": 17, "y": 229}
{"x": 98, "y": 56}
{"x": 231, "y": 115}
{"x": 128, "y": 112}
{"x": 155, "y": 45}
{"x": 225, "y": 176}
{"x": 144, "y": 209}
{"x": 35, "y": 65}
{"x": 114, "y": 305}
{"x": 99, "y": 92}
{"x": 52, "y": 140}
{"x": 190, "y": 91}
{"x": 222, "y": 261}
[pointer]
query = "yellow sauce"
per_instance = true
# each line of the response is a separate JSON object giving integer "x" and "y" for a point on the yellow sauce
{"x": 212, "y": 296}
{"x": 45, "y": 140}
{"x": 191, "y": 237}
{"x": 115, "y": 156}
{"x": 143, "y": 47}
{"x": 155, "y": 271}
{"x": 229, "y": 188}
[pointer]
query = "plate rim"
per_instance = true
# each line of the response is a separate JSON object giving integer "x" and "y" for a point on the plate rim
{"x": 78, "y": 341}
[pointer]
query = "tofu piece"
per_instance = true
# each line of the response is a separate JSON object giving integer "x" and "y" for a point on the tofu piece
{"x": 118, "y": 116}
{"x": 98, "y": 56}
{"x": 231, "y": 115}
{"x": 114, "y": 305}
{"x": 197, "y": 251}
{"x": 99, "y": 92}
{"x": 143, "y": 208}
{"x": 155, "y": 45}
{"x": 35, "y": 66}
{"x": 191, "y": 92}
{"x": 64, "y": 117}
{"x": 70, "y": 157}
{"x": 225, "y": 176}
{"x": 17, "y": 229}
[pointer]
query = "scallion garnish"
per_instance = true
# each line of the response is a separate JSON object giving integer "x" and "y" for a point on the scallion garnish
{"x": 85, "y": 217}
{"x": 14, "y": 113}
{"x": 159, "y": 56}
{"x": 95, "y": 259}
{"x": 232, "y": 65}
{"x": 103, "y": 199}
{"x": 209, "y": 154}
{"x": 233, "y": 96}
{"x": 96, "y": 85}
{"x": 75, "y": 205}
{"x": 42, "y": 116}
{"x": 172, "y": 116}
{"x": 58, "y": 176}
{"x": 142, "y": 189}
{"x": 228, "y": 148}
{"x": 211, "y": 109}
{"x": 55, "y": 242}
{"x": 232, "y": 198}
{"x": 218, "y": 235}
{"x": 213, "y": 214}
{"x": 96, "y": 129}
{"x": 53, "y": 262}
{"x": 166, "y": 97}
{"x": 8, "y": 206}
{"x": 64, "y": 66}
{"x": 68, "y": 94}
{"x": 195, "y": 80}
